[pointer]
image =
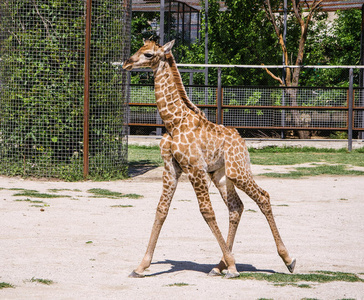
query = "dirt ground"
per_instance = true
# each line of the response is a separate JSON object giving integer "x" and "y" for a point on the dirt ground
{"x": 88, "y": 246}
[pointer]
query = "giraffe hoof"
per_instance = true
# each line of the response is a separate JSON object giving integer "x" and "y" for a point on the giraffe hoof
{"x": 136, "y": 275}
{"x": 214, "y": 272}
{"x": 291, "y": 266}
{"x": 231, "y": 275}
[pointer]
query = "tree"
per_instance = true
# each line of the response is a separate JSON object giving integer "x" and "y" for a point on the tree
{"x": 238, "y": 35}
{"x": 333, "y": 42}
{"x": 303, "y": 13}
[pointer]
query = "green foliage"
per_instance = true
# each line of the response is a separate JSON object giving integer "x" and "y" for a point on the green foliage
{"x": 239, "y": 35}
{"x": 5, "y": 285}
{"x": 335, "y": 42}
{"x": 42, "y": 88}
{"x": 243, "y": 35}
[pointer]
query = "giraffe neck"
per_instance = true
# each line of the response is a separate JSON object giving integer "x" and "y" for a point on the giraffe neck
{"x": 171, "y": 105}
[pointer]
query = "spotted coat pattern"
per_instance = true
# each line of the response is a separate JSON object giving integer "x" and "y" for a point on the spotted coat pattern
{"x": 204, "y": 151}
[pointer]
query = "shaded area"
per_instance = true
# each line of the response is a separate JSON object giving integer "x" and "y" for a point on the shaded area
{"x": 177, "y": 266}
{"x": 137, "y": 168}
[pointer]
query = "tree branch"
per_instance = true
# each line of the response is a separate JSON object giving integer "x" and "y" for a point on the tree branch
{"x": 269, "y": 12}
{"x": 297, "y": 12}
{"x": 274, "y": 76}
{"x": 43, "y": 19}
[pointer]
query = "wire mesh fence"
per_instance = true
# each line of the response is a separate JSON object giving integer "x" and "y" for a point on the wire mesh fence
{"x": 257, "y": 108}
{"x": 42, "y": 88}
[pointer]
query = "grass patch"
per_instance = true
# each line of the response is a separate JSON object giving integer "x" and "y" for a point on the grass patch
{"x": 149, "y": 155}
{"x": 292, "y": 279}
{"x": 29, "y": 200}
{"x": 251, "y": 210}
{"x": 178, "y": 284}
{"x": 104, "y": 193}
{"x": 133, "y": 196}
{"x": 295, "y": 155}
{"x": 5, "y": 285}
{"x": 61, "y": 190}
{"x": 123, "y": 206}
{"x": 36, "y": 194}
{"x": 41, "y": 280}
{"x": 264, "y": 156}
{"x": 315, "y": 171}
{"x": 89, "y": 242}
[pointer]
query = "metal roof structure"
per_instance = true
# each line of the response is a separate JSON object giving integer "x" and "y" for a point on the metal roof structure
{"x": 326, "y": 5}
{"x": 153, "y": 5}
{"x": 334, "y": 5}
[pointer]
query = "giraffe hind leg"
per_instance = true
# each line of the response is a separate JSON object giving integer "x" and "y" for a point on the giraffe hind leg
{"x": 198, "y": 179}
{"x": 262, "y": 199}
{"x": 235, "y": 207}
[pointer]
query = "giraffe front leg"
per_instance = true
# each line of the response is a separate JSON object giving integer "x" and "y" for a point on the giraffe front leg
{"x": 170, "y": 179}
{"x": 199, "y": 182}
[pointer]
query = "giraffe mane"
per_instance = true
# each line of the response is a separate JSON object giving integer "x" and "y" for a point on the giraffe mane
{"x": 180, "y": 88}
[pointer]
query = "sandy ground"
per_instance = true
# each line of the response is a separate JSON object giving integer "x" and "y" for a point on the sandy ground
{"x": 87, "y": 247}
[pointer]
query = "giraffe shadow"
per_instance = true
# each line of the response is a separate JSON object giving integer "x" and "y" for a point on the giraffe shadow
{"x": 177, "y": 266}
{"x": 140, "y": 167}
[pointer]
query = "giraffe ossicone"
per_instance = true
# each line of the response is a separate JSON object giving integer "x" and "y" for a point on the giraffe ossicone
{"x": 204, "y": 151}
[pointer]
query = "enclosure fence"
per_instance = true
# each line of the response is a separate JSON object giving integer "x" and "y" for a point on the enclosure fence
{"x": 62, "y": 102}
{"x": 262, "y": 108}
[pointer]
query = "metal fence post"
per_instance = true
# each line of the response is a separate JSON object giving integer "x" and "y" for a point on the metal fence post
{"x": 350, "y": 109}
{"x": 219, "y": 97}
{"x": 86, "y": 101}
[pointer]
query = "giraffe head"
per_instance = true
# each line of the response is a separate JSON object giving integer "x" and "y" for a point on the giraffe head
{"x": 148, "y": 56}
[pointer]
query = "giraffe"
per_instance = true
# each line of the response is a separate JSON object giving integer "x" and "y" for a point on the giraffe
{"x": 204, "y": 151}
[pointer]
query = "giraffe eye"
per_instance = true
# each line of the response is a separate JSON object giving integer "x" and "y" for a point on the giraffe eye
{"x": 148, "y": 55}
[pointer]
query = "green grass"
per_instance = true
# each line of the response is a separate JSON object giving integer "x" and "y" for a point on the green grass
{"x": 29, "y": 200}
{"x": 294, "y": 155}
{"x": 36, "y": 194}
{"x": 5, "y": 285}
{"x": 41, "y": 280}
{"x": 123, "y": 206}
{"x": 178, "y": 284}
{"x": 61, "y": 190}
{"x": 282, "y": 279}
{"x": 148, "y": 155}
{"x": 104, "y": 193}
{"x": 315, "y": 171}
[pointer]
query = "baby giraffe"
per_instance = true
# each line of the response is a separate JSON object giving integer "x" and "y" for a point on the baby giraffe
{"x": 204, "y": 151}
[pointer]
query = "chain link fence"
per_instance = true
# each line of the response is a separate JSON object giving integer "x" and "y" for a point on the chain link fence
{"x": 42, "y": 88}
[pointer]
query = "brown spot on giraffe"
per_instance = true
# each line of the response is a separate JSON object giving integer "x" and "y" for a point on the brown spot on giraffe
{"x": 203, "y": 150}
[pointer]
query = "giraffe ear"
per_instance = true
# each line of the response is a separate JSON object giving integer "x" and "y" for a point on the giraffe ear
{"x": 167, "y": 47}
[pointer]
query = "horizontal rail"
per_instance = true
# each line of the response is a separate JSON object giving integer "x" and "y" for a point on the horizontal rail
{"x": 277, "y": 107}
{"x": 268, "y": 66}
{"x": 261, "y": 127}
{"x": 117, "y": 64}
